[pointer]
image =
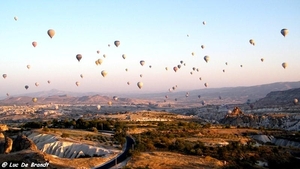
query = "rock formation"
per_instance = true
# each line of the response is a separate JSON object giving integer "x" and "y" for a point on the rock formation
{"x": 21, "y": 142}
{"x": 3, "y": 127}
{"x": 8, "y": 145}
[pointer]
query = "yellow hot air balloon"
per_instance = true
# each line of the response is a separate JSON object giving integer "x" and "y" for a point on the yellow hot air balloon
{"x": 109, "y": 103}
{"x": 34, "y": 99}
{"x": 193, "y": 54}
{"x": 37, "y": 84}
{"x": 124, "y": 56}
{"x": 104, "y": 73}
{"x": 284, "y": 32}
{"x": 100, "y": 61}
{"x": 252, "y": 42}
{"x": 51, "y": 33}
{"x": 98, "y": 107}
{"x": 284, "y": 65}
{"x": 140, "y": 84}
{"x": 295, "y": 101}
{"x": 28, "y": 66}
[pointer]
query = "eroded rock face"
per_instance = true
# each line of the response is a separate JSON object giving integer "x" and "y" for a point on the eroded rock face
{"x": 8, "y": 145}
{"x": 3, "y": 127}
{"x": 22, "y": 143}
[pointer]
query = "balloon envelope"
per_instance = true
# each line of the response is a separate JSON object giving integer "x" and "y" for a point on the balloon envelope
{"x": 284, "y": 65}
{"x": 51, "y": 33}
{"x": 104, "y": 73}
{"x": 284, "y": 32}
{"x": 34, "y": 99}
{"x": 78, "y": 57}
{"x": 117, "y": 43}
{"x": 34, "y": 44}
{"x": 206, "y": 58}
{"x": 140, "y": 84}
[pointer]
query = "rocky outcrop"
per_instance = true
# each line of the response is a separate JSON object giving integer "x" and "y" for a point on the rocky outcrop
{"x": 3, "y": 127}
{"x": 51, "y": 145}
{"x": 21, "y": 142}
{"x": 8, "y": 145}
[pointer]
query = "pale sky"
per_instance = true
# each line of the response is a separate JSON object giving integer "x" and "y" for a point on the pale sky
{"x": 155, "y": 31}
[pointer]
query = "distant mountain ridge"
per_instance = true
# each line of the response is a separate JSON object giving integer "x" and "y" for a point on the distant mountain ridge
{"x": 216, "y": 95}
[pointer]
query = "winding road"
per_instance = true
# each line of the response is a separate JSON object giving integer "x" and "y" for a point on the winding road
{"x": 121, "y": 157}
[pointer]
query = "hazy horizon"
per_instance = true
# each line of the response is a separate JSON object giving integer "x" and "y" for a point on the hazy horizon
{"x": 151, "y": 31}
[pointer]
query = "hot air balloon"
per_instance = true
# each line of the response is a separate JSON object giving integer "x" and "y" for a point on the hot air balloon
{"x": 4, "y": 76}
{"x": 197, "y": 70}
{"x": 142, "y": 62}
{"x": 77, "y": 83}
{"x": 124, "y": 56}
{"x": 49, "y": 81}
{"x": 34, "y": 44}
{"x": 140, "y": 84}
{"x": 203, "y": 22}
{"x": 126, "y": 69}
{"x": 179, "y": 66}
{"x": 109, "y": 103}
{"x": 295, "y": 101}
{"x": 262, "y": 59}
{"x": 98, "y": 107}
{"x": 241, "y": 65}
{"x": 96, "y": 62}
{"x": 98, "y": 51}
{"x": 128, "y": 83}
{"x": 108, "y": 45}
{"x": 203, "y": 102}
{"x": 115, "y": 98}
{"x": 78, "y": 57}
{"x": 81, "y": 75}
{"x": 37, "y": 84}
{"x": 34, "y": 99}
{"x": 51, "y": 33}
{"x": 220, "y": 97}
{"x": 184, "y": 64}
{"x": 175, "y": 69}
{"x": 176, "y": 99}
{"x": 194, "y": 68}
{"x": 200, "y": 78}
{"x": 193, "y": 53}
{"x": 191, "y": 73}
{"x": 181, "y": 62}
{"x": 226, "y": 63}
{"x": 150, "y": 66}
{"x": 26, "y": 87}
{"x": 166, "y": 68}
{"x": 104, "y": 55}
{"x": 202, "y": 46}
{"x": 206, "y": 58}
{"x": 104, "y": 73}
{"x": 7, "y": 94}
{"x": 199, "y": 96}
{"x": 205, "y": 84}
{"x": 117, "y": 43}
{"x": 166, "y": 96}
{"x": 15, "y": 18}
{"x": 100, "y": 61}
{"x": 141, "y": 75}
{"x": 284, "y": 32}
{"x": 284, "y": 65}
{"x": 223, "y": 70}
{"x": 252, "y": 42}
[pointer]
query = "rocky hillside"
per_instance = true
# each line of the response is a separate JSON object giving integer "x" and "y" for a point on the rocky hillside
{"x": 279, "y": 98}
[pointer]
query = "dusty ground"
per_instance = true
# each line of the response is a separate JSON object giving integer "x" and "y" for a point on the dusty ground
{"x": 170, "y": 160}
